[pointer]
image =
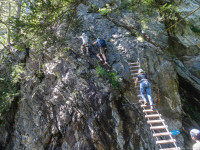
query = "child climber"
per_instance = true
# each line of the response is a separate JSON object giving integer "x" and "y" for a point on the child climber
{"x": 85, "y": 40}
{"x": 102, "y": 46}
{"x": 144, "y": 87}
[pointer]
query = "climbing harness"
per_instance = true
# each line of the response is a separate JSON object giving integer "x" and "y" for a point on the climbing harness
{"x": 157, "y": 124}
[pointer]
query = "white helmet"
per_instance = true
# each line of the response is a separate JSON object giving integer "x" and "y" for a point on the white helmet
{"x": 140, "y": 71}
{"x": 83, "y": 34}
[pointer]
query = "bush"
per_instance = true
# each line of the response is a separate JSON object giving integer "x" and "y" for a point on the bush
{"x": 111, "y": 77}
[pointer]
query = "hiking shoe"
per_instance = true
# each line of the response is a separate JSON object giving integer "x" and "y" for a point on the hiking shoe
{"x": 145, "y": 102}
{"x": 100, "y": 60}
{"x": 87, "y": 54}
{"x": 105, "y": 63}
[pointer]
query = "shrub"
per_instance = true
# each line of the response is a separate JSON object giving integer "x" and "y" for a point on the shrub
{"x": 111, "y": 77}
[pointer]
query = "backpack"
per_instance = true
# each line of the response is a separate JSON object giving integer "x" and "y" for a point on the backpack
{"x": 102, "y": 43}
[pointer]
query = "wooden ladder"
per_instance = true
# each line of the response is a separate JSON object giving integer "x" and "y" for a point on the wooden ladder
{"x": 158, "y": 126}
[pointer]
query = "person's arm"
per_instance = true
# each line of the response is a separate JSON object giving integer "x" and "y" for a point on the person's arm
{"x": 136, "y": 81}
{"x": 95, "y": 43}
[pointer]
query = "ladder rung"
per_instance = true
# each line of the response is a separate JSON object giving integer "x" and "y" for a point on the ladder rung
{"x": 162, "y": 134}
{"x": 149, "y": 110}
{"x": 158, "y": 127}
{"x": 139, "y": 95}
{"x": 134, "y": 74}
{"x": 147, "y": 105}
{"x": 174, "y": 148}
{"x": 165, "y": 141}
{"x": 136, "y": 63}
{"x": 155, "y": 121}
{"x": 152, "y": 116}
{"x": 134, "y": 70}
{"x": 134, "y": 67}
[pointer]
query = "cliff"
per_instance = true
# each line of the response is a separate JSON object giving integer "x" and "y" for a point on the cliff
{"x": 70, "y": 101}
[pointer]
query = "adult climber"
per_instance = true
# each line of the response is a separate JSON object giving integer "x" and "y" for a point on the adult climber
{"x": 102, "y": 46}
{"x": 195, "y": 134}
{"x": 85, "y": 40}
{"x": 145, "y": 86}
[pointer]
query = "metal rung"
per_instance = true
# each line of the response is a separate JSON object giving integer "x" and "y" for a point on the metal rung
{"x": 174, "y": 148}
{"x": 152, "y": 116}
{"x": 158, "y": 127}
{"x": 162, "y": 134}
{"x": 165, "y": 141}
{"x": 155, "y": 121}
{"x": 139, "y": 95}
{"x": 149, "y": 110}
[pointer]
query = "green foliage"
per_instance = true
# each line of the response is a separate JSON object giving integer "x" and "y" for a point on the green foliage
{"x": 8, "y": 89}
{"x": 93, "y": 8}
{"x": 105, "y": 11}
{"x": 195, "y": 29}
{"x": 16, "y": 73}
{"x": 111, "y": 78}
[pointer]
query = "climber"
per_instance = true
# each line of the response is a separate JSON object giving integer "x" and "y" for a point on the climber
{"x": 85, "y": 40}
{"x": 144, "y": 87}
{"x": 195, "y": 134}
{"x": 102, "y": 46}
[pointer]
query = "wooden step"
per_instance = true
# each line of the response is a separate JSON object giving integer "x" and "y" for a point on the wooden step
{"x": 135, "y": 63}
{"x": 153, "y": 116}
{"x": 162, "y": 134}
{"x": 150, "y": 110}
{"x": 134, "y": 67}
{"x": 155, "y": 121}
{"x": 173, "y": 148}
{"x": 158, "y": 127}
{"x": 166, "y": 141}
{"x": 147, "y": 105}
{"x": 134, "y": 70}
{"x": 135, "y": 74}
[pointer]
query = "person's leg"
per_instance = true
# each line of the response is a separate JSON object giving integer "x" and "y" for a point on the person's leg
{"x": 103, "y": 55}
{"x": 98, "y": 55}
{"x": 148, "y": 91}
{"x": 87, "y": 49}
{"x": 82, "y": 48}
{"x": 142, "y": 92}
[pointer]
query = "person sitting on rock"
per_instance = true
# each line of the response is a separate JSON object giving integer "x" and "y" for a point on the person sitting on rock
{"x": 144, "y": 87}
{"x": 85, "y": 40}
{"x": 102, "y": 46}
{"x": 195, "y": 134}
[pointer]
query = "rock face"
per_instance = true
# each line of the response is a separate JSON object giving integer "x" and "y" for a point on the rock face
{"x": 67, "y": 105}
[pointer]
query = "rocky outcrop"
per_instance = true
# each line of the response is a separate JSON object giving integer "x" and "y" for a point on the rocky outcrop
{"x": 66, "y": 104}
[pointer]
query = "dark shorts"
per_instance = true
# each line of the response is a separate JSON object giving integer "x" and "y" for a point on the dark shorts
{"x": 84, "y": 45}
{"x": 101, "y": 50}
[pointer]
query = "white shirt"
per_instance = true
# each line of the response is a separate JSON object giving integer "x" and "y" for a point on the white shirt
{"x": 196, "y": 146}
{"x": 84, "y": 39}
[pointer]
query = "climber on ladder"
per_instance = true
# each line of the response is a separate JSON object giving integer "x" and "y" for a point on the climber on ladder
{"x": 144, "y": 87}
